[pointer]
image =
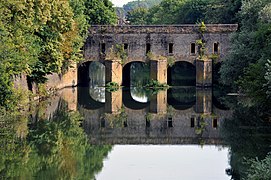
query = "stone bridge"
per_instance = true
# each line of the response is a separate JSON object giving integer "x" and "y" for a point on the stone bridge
{"x": 157, "y": 45}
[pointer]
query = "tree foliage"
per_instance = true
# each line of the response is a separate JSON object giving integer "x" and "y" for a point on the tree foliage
{"x": 46, "y": 36}
{"x": 246, "y": 67}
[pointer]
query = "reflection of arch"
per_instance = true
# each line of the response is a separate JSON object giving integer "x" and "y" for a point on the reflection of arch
{"x": 182, "y": 73}
{"x": 130, "y": 103}
{"x": 85, "y": 100}
{"x": 182, "y": 98}
{"x": 126, "y": 72}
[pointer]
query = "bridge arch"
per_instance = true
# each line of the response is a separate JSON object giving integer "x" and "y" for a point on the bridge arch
{"x": 131, "y": 71}
{"x": 87, "y": 71}
{"x": 182, "y": 73}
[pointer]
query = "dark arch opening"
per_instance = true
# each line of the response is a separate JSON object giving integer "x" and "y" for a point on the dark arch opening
{"x": 135, "y": 73}
{"x": 91, "y": 78}
{"x": 83, "y": 74}
{"x": 182, "y": 98}
{"x": 182, "y": 73}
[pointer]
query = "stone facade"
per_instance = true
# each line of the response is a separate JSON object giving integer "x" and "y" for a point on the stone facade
{"x": 136, "y": 39}
{"x": 175, "y": 41}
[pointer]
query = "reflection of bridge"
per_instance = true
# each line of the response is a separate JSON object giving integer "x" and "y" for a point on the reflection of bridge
{"x": 155, "y": 122}
{"x": 175, "y": 42}
{"x": 201, "y": 102}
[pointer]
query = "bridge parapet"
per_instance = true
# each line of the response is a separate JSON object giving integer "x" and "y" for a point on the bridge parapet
{"x": 176, "y": 29}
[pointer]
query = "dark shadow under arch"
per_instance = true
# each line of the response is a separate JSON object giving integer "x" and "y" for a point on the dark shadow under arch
{"x": 83, "y": 74}
{"x": 182, "y": 73}
{"x": 86, "y": 101}
{"x": 182, "y": 98}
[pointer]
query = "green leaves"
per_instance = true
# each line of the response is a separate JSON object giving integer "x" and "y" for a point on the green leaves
{"x": 100, "y": 12}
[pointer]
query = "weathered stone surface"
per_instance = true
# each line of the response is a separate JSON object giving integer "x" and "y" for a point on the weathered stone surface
{"x": 113, "y": 71}
{"x": 158, "y": 70}
{"x": 159, "y": 37}
{"x": 158, "y": 103}
{"x": 204, "y": 71}
{"x": 204, "y": 101}
{"x": 114, "y": 102}
{"x": 69, "y": 79}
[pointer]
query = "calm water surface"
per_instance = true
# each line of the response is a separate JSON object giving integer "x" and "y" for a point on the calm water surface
{"x": 133, "y": 133}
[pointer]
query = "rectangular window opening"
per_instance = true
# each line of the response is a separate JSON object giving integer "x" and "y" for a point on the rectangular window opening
{"x": 103, "y": 48}
{"x": 170, "y": 48}
{"x": 125, "y": 124}
{"x": 169, "y": 122}
{"x": 102, "y": 122}
{"x": 216, "y": 48}
{"x": 148, "y": 48}
{"x": 148, "y": 123}
{"x": 193, "y": 48}
{"x": 192, "y": 122}
{"x": 125, "y": 46}
{"x": 215, "y": 124}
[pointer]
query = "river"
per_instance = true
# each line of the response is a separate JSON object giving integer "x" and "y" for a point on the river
{"x": 133, "y": 133}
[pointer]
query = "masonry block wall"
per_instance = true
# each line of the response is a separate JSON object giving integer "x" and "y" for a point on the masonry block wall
{"x": 177, "y": 41}
{"x": 159, "y": 38}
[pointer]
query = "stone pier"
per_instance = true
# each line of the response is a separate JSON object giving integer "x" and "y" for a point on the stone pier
{"x": 158, "y": 103}
{"x": 158, "y": 70}
{"x": 113, "y": 101}
{"x": 204, "y": 101}
{"x": 204, "y": 77}
{"x": 113, "y": 71}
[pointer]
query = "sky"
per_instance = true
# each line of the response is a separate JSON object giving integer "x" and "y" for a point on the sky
{"x": 120, "y": 3}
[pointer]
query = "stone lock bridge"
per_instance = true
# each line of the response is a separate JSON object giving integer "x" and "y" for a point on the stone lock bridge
{"x": 175, "y": 42}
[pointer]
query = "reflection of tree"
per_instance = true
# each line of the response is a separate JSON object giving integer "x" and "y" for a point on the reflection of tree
{"x": 248, "y": 136}
{"x": 55, "y": 149}
{"x": 184, "y": 95}
{"x": 139, "y": 74}
{"x": 183, "y": 74}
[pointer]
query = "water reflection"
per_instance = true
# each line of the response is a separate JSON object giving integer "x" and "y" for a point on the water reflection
{"x": 165, "y": 162}
{"x": 70, "y": 136}
{"x": 54, "y": 148}
{"x": 249, "y": 136}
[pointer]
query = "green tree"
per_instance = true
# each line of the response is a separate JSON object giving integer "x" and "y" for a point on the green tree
{"x": 250, "y": 50}
{"x": 100, "y": 12}
{"x": 138, "y": 16}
